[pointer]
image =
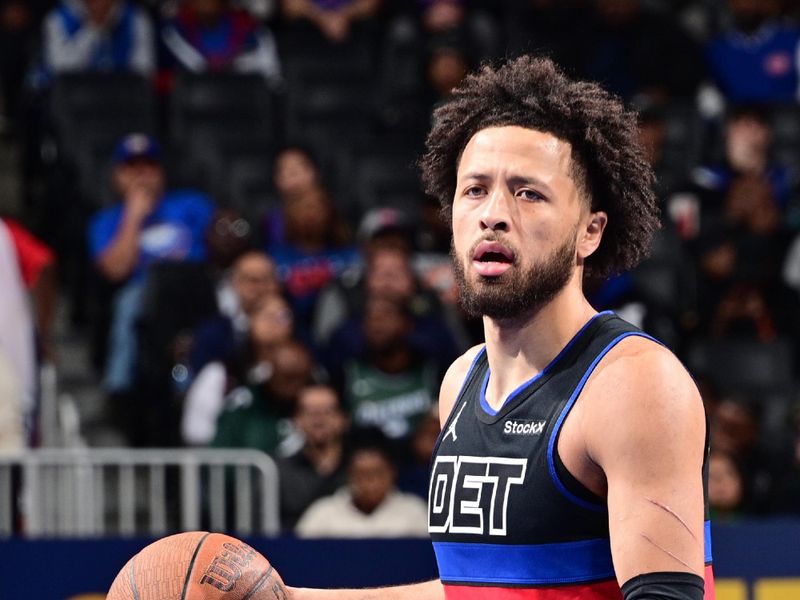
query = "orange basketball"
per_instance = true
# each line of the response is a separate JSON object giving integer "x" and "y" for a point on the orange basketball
{"x": 198, "y": 566}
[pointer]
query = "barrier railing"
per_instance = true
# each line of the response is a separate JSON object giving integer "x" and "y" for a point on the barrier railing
{"x": 92, "y": 492}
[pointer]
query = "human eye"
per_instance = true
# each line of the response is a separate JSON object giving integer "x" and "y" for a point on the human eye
{"x": 530, "y": 195}
{"x": 474, "y": 191}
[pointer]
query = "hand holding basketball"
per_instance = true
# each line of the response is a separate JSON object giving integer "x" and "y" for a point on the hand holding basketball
{"x": 198, "y": 566}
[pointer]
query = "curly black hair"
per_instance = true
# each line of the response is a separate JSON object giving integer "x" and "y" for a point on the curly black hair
{"x": 608, "y": 165}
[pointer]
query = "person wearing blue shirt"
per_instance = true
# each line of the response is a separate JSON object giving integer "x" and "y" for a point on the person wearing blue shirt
{"x": 98, "y": 35}
{"x": 147, "y": 225}
{"x": 758, "y": 60}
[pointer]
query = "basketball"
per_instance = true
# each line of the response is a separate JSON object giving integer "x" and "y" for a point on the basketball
{"x": 198, "y": 566}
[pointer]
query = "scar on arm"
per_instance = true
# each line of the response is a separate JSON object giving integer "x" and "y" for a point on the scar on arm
{"x": 667, "y": 509}
{"x": 665, "y": 551}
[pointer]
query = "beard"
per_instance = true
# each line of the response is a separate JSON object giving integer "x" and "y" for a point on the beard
{"x": 515, "y": 294}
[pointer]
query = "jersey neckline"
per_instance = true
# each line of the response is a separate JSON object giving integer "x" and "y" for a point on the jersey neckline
{"x": 489, "y": 414}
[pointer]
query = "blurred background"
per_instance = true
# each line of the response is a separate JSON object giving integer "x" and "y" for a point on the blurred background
{"x": 213, "y": 242}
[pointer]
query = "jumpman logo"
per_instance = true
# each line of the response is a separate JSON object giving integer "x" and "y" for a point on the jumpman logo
{"x": 452, "y": 428}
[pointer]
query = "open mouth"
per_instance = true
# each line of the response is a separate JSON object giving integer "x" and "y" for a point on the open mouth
{"x": 493, "y": 252}
{"x": 492, "y": 259}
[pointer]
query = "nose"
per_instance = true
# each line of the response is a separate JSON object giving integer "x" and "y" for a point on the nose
{"x": 495, "y": 212}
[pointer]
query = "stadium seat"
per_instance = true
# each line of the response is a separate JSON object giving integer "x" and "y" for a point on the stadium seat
{"x": 747, "y": 366}
{"x": 222, "y": 105}
{"x": 90, "y": 113}
{"x": 381, "y": 172}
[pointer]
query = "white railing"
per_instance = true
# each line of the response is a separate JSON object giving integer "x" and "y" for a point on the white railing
{"x": 90, "y": 492}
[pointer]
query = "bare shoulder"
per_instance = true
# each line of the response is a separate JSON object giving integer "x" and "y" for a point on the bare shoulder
{"x": 641, "y": 392}
{"x": 453, "y": 380}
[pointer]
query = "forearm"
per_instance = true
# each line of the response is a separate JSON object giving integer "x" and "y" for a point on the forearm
{"x": 119, "y": 259}
{"x": 430, "y": 590}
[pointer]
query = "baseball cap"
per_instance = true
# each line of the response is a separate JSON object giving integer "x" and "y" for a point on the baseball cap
{"x": 380, "y": 220}
{"x": 136, "y": 145}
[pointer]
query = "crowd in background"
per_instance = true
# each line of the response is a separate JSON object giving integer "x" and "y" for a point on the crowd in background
{"x": 270, "y": 276}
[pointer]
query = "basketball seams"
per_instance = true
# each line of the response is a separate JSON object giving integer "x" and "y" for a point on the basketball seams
{"x": 191, "y": 566}
{"x": 132, "y": 578}
{"x": 257, "y": 586}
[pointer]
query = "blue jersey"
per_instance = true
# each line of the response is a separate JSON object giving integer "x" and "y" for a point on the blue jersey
{"x": 758, "y": 68}
{"x": 507, "y": 519}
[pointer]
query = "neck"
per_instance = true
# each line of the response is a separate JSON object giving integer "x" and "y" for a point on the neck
{"x": 325, "y": 457}
{"x": 518, "y": 349}
{"x": 392, "y": 361}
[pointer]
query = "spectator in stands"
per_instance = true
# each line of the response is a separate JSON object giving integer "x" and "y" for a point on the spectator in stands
{"x": 248, "y": 362}
{"x": 314, "y": 246}
{"x": 213, "y": 36}
{"x": 387, "y": 270}
{"x": 27, "y": 268}
{"x": 258, "y": 415}
{"x": 147, "y": 225}
{"x": 295, "y": 175}
{"x": 757, "y": 59}
{"x": 392, "y": 383}
{"x": 447, "y": 64}
{"x": 370, "y": 505}
{"x": 725, "y": 487}
{"x": 334, "y": 19}
{"x": 635, "y": 51}
{"x": 433, "y": 22}
{"x": 748, "y": 145}
{"x": 318, "y": 468}
{"x": 252, "y": 278}
{"x": 98, "y": 35}
{"x": 734, "y": 431}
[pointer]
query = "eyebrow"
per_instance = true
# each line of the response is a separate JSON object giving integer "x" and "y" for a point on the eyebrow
{"x": 513, "y": 180}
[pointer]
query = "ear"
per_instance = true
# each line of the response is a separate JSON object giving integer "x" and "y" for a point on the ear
{"x": 591, "y": 233}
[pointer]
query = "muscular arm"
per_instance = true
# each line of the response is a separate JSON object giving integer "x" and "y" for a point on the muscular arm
{"x": 647, "y": 434}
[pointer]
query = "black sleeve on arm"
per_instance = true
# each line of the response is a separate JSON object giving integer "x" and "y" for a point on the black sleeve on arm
{"x": 664, "y": 585}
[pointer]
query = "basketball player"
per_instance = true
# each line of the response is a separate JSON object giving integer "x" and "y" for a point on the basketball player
{"x": 572, "y": 456}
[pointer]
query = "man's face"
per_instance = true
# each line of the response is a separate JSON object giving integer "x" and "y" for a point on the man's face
{"x": 139, "y": 174}
{"x": 294, "y": 173}
{"x": 371, "y": 479}
{"x": 271, "y": 322}
{"x": 389, "y": 274}
{"x": 253, "y": 278}
{"x": 319, "y": 416}
{"x": 747, "y": 139}
{"x": 385, "y": 326}
{"x": 516, "y": 217}
{"x": 292, "y": 370}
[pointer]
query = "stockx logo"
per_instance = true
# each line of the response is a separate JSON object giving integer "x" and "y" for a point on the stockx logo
{"x": 523, "y": 427}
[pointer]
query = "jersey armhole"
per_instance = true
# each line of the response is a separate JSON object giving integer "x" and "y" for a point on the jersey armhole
{"x": 566, "y": 482}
